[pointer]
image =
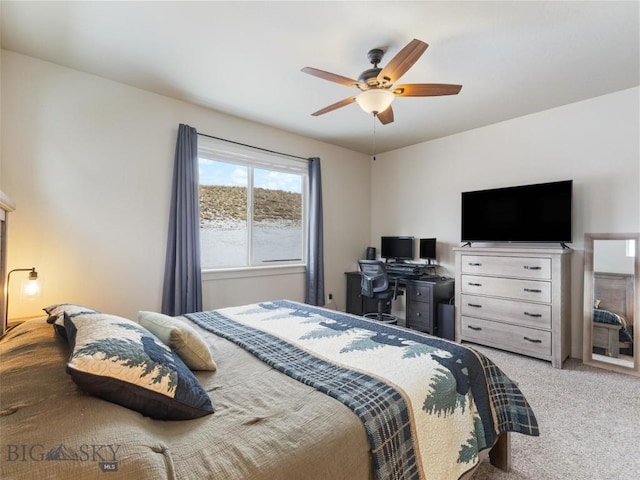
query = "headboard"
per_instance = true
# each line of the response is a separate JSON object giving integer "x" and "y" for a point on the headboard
{"x": 615, "y": 292}
{"x": 6, "y": 206}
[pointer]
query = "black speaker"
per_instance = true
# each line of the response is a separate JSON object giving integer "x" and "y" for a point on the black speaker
{"x": 371, "y": 253}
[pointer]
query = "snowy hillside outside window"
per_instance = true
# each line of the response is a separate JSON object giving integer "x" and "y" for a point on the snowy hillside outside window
{"x": 252, "y": 209}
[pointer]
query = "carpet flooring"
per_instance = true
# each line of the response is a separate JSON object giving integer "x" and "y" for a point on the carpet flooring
{"x": 589, "y": 422}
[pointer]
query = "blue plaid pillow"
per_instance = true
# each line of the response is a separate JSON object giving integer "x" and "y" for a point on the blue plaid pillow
{"x": 122, "y": 362}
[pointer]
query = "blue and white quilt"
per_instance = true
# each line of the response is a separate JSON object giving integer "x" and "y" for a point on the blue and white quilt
{"x": 429, "y": 406}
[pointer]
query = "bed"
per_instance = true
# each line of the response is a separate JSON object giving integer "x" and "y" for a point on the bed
{"x": 296, "y": 392}
{"x": 613, "y": 314}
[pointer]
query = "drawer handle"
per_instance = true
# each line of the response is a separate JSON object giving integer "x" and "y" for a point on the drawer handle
{"x": 532, "y": 290}
{"x": 475, "y": 284}
{"x": 418, "y": 314}
{"x": 527, "y": 267}
{"x": 418, "y": 294}
{"x": 532, "y": 340}
{"x": 477, "y": 329}
{"x": 534, "y": 315}
{"x": 475, "y": 264}
{"x": 475, "y": 305}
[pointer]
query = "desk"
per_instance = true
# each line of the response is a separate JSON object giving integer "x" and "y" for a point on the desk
{"x": 423, "y": 296}
{"x": 356, "y": 302}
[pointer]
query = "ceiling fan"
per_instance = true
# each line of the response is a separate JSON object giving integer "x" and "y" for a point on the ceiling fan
{"x": 376, "y": 85}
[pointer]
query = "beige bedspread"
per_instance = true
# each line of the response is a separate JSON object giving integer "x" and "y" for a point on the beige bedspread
{"x": 266, "y": 425}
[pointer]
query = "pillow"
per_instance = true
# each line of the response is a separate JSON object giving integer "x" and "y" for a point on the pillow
{"x": 181, "y": 337}
{"x": 120, "y": 361}
{"x": 56, "y": 314}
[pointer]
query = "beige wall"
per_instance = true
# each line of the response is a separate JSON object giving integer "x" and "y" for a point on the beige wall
{"x": 416, "y": 190}
{"x": 89, "y": 163}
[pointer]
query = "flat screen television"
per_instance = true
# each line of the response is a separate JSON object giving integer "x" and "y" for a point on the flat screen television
{"x": 428, "y": 249}
{"x": 397, "y": 248}
{"x": 527, "y": 213}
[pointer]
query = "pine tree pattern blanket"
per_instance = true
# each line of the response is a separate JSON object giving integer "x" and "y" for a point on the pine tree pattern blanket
{"x": 429, "y": 406}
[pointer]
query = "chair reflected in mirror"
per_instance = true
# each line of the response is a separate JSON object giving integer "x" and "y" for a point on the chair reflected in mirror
{"x": 375, "y": 285}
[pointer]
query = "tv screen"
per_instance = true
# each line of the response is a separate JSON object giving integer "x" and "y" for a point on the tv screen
{"x": 526, "y": 213}
{"x": 398, "y": 248}
{"x": 428, "y": 248}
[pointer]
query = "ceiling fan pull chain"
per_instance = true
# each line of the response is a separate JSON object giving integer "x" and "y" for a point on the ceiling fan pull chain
{"x": 374, "y": 137}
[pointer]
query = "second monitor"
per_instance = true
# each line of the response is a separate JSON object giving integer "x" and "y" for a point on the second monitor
{"x": 428, "y": 249}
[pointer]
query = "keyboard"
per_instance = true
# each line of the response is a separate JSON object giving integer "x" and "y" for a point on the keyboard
{"x": 403, "y": 269}
{"x": 430, "y": 277}
{"x": 412, "y": 276}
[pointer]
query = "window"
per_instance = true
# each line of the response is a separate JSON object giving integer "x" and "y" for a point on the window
{"x": 631, "y": 248}
{"x": 252, "y": 207}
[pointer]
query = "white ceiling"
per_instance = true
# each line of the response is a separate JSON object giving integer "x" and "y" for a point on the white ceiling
{"x": 244, "y": 58}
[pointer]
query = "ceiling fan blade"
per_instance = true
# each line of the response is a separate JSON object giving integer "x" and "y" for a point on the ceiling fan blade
{"x": 335, "y": 106}
{"x": 332, "y": 77}
{"x": 386, "y": 116}
{"x": 425, "y": 89}
{"x": 402, "y": 62}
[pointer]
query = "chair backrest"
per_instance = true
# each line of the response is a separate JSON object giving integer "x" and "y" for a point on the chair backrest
{"x": 374, "y": 277}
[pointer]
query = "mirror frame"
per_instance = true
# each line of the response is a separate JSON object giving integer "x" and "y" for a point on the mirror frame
{"x": 587, "y": 349}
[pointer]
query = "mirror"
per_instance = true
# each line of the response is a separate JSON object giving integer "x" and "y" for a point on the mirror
{"x": 611, "y": 313}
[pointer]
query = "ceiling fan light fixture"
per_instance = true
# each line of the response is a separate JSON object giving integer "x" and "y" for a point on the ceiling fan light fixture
{"x": 375, "y": 100}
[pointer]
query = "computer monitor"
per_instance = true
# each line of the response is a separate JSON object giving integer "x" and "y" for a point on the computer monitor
{"x": 428, "y": 249}
{"x": 397, "y": 248}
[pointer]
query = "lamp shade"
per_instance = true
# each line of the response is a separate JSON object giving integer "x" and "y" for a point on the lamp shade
{"x": 375, "y": 100}
{"x": 30, "y": 287}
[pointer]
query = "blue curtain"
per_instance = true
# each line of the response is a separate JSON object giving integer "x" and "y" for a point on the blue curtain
{"x": 314, "y": 294}
{"x": 182, "y": 290}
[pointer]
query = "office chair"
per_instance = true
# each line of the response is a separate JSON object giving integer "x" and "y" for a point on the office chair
{"x": 375, "y": 285}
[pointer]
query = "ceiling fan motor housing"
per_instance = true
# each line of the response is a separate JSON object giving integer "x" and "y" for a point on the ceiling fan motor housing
{"x": 370, "y": 76}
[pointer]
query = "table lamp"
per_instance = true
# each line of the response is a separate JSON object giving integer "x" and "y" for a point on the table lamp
{"x": 30, "y": 289}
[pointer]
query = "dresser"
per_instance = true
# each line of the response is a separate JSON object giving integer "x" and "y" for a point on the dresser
{"x": 515, "y": 299}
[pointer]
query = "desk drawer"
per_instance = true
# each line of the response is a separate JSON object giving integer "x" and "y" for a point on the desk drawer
{"x": 528, "y": 341}
{"x": 523, "y": 267}
{"x": 419, "y": 292}
{"x": 419, "y": 316}
{"x": 512, "y": 311}
{"x": 531, "y": 290}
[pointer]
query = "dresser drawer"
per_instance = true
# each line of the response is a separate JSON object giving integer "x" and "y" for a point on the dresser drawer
{"x": 528, "y": 341}
{"x": 531, "y": 290}
{"x": 512, "y": 311}
{"x": 523, "y": 267}
{"x": 419, "y": 316}
{"x": 419, "y": 292}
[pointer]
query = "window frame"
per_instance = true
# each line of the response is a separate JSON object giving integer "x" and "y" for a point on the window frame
{"x": 251, "y": 158}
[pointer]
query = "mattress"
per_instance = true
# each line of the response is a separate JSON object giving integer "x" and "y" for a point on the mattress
{"x": 266, "y": 426}
{"x": 299, "y": 392}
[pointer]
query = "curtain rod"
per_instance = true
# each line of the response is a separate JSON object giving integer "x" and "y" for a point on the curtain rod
{"x": 252, "y": 146}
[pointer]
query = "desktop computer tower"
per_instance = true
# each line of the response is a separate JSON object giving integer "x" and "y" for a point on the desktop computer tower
{"x": 446, "y": 321}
